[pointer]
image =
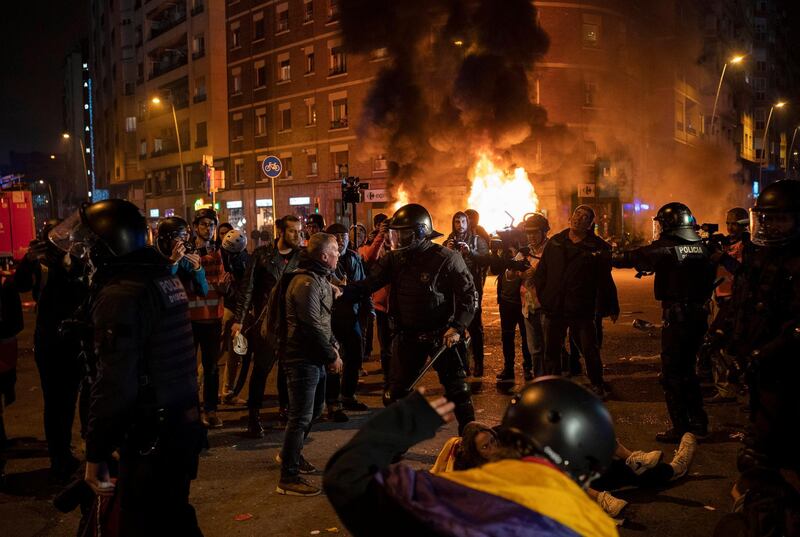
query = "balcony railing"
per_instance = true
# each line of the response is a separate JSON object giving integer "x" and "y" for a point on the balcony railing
{"x": 167, "y": 24}
{"x": 159, "y": 68}
{"x": 196, "y": 10}
{"x": 199, "y": 54}
{"x": 337, "y": 70}
{"x": 340, "y": 123}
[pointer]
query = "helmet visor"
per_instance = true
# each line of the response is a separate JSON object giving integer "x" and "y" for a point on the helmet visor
{"x": 401, "y": 238}
{"x": 73, "y": 237}
{"x": 773, "y": 228}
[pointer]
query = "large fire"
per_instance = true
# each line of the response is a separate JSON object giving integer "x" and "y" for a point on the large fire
{"x": 401, "y": 198}
{"x": 500, "y": 196}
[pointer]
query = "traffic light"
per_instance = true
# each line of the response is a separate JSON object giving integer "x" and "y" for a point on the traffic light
{"x": 316, "y": 205}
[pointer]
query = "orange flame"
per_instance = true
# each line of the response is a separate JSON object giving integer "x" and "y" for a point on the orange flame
{"x": 500, "y": 196}
{"x": 401, "y": 198}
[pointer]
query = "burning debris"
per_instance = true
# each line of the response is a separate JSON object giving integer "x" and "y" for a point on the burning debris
{"x": 501, "y": 197}
{"x": 457, "y": 84}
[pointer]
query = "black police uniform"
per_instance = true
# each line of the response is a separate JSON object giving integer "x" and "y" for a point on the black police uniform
{"x": 431, "y": 290}
{"x": 684, "y": 279}
{"x": 145, "y": 394}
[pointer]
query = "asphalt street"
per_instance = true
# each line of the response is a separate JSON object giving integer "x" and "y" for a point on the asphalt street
{"x": 235, "y": 492}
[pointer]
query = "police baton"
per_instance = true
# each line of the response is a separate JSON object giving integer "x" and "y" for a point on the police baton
{"x": 430, "y": 363}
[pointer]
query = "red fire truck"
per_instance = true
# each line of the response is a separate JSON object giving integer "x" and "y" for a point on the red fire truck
{"x": 17, "y": 227}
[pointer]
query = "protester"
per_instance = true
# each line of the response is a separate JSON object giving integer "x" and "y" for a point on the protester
{"x": 527, "y": 490}
{"x": 375, "y": 249}
{"x": 11, "y": 324}
{"x": 573, "y": 283}
{"x": 308, "y": 349}
{"x": 234, "y": 259}
{"x": 536, "y": 227}
{"x": 207, "y": 311}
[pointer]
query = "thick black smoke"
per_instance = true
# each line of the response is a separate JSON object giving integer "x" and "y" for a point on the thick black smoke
{"x": 457, "y": 80}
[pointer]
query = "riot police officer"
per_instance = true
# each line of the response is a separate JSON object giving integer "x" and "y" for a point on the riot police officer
{"x": 766, "y": 340}
{"x": 684, "y": 280}
{"x": 432, "y": 300}
{"x": 144, "y": 399}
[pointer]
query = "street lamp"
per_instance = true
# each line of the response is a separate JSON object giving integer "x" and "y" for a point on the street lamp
{"x": 733, "y": 61}
{"x": 50, "y": 192}
{"x": 66, "y": 136}
{"x": 157, "y": 101}
{"x": 779, "y": 104}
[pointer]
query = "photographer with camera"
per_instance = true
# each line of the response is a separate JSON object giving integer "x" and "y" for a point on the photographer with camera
{"x": 58, "y": 284}
{"x": 173, "y": 241}
{"x": 475, "y": 251}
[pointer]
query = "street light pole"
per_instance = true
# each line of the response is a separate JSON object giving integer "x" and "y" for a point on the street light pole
{"x": 764, "y": 139}
{"x": 734, "y": 60}
{"x": 67, "y": 136}
{"x": 789, "y": 153}
{"x": 156, "y": 100}
{"x": 50, "y": 192}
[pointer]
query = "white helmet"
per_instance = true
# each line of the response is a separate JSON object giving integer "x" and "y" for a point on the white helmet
{"x": 234, "y": 241}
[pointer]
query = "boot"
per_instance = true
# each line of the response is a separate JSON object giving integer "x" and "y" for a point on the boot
{"x": 254, "y": 427}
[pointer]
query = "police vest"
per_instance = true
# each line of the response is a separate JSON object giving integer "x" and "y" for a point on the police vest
{"x": 168, "y": 376}
{"x": 686, "y": 275}
{"x": 417, "y": 301}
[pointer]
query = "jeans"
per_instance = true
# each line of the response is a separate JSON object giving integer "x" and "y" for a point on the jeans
{"x": 306, "y": 387}
{"x": 348, "y": 334}
{"x": 207, "y": 336}
{"x": 534, "y": 334}
{"x": 510, "y": 319}
{"x": 584, "y": 331}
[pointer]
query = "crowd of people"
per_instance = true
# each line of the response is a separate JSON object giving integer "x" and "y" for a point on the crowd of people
{"x": 122, "y": 319}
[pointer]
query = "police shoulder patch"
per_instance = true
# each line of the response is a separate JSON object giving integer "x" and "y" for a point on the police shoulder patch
{"x": 689, "y": 250}
{"x": 171, "y": 291}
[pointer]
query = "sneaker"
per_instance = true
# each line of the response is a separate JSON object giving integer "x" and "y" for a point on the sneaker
{"x": 354, "y": 405}
{"x": 506, "y": 375}
{"x": 527, "y": 374}
{"x": 683, "y": 456}
{"x": 297, "y": 487}
{"x": 211, "y": 421}
{"x": 304, "y": 466}
{"x": 639, "y": 461}
{"x": 337, "y": 415}
{"x": 611, "y": 505}
{"x": 670, "y": 436}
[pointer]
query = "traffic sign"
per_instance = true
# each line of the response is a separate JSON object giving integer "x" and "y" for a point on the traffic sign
{"x": 586, "y": 190}
{"x": 272, "y": 166}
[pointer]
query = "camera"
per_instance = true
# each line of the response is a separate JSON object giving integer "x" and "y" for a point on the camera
{"x": 188, "y": 247}
{"x": 352, "y": 190}
{"x": 710, "y": 229}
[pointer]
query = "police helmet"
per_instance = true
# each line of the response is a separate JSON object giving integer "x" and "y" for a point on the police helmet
{"x": 775, "y": 217}
{"x": 169, "y": 229}
{"x": 675, "y": 219}
{"x": 564, "y": 422}
{"x": 206, "y": 213}
{"x": 409, "y": 226}
{"x": 234, "y": 241}
{"x": 536, "y": 222}
{"x": 102, "y": 230}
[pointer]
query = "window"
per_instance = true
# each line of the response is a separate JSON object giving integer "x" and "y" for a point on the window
{"x": 679, "y": 115}
{"x": 333, "y": 10}
{"x": 130, "y": 124}
{"x": 761, "y": 66}
{"x": 338, "y": 60}
{"x": 142, "y": 148}
{"x": 201, "y": 134}
{"x": 259, "y": 178}
{"x": 760, "y": 86}
{"x": 311, "y": 112}
{"x": 282, "y": 18}
{"x": 261, "y": 122}
{"x": 589, "y": 94}
{"x": 379, "y": 54}
{"x": 308, "y": 11}
{"x": 286, "y": 160}
{"x": 286, "y": 116}
{"x": 258, "y": 26}
{"x": 236, "y": 80}
{"x": 338, "y": 110}
{"x": 199, "y": 89}
{"x": 198, "y": 46}
{"x": 311, "y": 160}
{"x": 761, "y": 118}
{"x": 237, "y": 126}
{"x": 591, "y": 30}
{"x": 235, "y": 36}
{"x": 380, "y": 164}
{"x": 238, "y": 171}
{"x": 158, "y": 145}
{"x": 309, "y": 60}
{"x": 339, "y": 158}
{"x": 260, "y": 74}
{"x": 284, "y": 67}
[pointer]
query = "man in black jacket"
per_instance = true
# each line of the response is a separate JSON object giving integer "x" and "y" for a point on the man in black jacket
{"x": 264, "y": 270}
{"x": 347, "y": 329}
{"x": 474, "y": 248}
{"x": 308, "y": 347}
{"x": 573, "y": 283}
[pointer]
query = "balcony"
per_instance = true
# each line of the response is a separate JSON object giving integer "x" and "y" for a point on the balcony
{"x": 199, "y": 54}
{"x": 340, "y": 123}
{"x": 199, "y": 98}
{"x": 340, "y": 69}
{"x": 167, "y": 19}
{"x": 168, "y": 62}
{"x": 199, "y": 8}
